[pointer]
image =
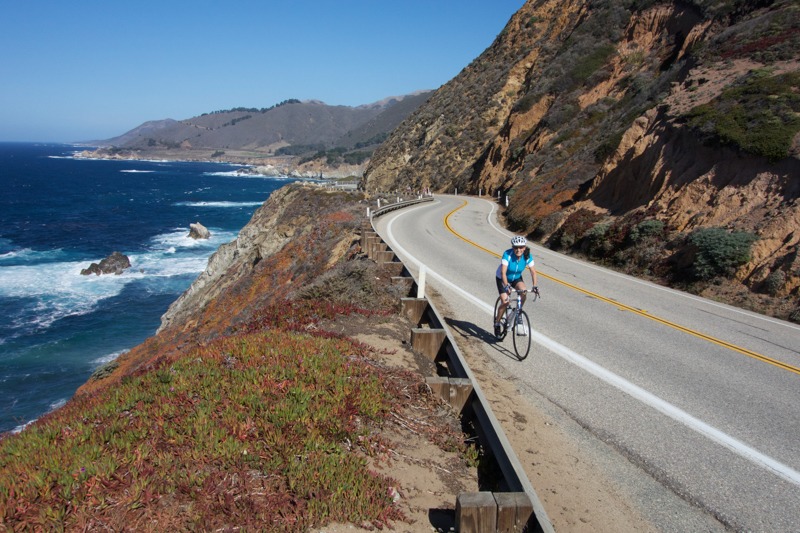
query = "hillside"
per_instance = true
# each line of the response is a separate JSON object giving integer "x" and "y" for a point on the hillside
{"x": 288, "y": 134}
{"x": 660, "y": 138}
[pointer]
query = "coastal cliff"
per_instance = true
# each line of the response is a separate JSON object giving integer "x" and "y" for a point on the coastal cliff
{"x": 299, "y": 233}
{"x": 254, "y": 405}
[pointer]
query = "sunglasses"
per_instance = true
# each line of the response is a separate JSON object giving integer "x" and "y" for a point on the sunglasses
{"x": 519, "y": 247}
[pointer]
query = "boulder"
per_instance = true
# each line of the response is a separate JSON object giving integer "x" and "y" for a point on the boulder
{"x": 113, "y": 264}
{"x": 198, "y": 231}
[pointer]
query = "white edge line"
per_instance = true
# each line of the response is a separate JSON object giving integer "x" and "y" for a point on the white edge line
{"x": 736, "y": 446}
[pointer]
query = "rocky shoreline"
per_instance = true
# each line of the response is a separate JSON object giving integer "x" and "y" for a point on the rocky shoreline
{"x": 255, "y": 163}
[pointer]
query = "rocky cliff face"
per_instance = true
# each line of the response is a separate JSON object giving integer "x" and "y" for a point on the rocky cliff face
{"x": 684, "y": 113}
{"x": 299, "y": 234}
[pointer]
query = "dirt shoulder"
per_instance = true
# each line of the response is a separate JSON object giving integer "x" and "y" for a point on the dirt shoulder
{"x": 567, "y": 472}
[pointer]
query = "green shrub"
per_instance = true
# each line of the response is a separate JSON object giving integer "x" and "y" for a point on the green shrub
{"x": 719, "y": 252}
{"x": 760, "y": 116}
{"x": 575, "y": 226}
{"x": 794, "y": 316}
{"x": 526, "y": 103}
{"x": 595, "y": 241}
{"x": 591, "y": 62}
{"x": 775, "y": 282}
{"x": 607, "y": 147}
{"x": 646, "y": 228}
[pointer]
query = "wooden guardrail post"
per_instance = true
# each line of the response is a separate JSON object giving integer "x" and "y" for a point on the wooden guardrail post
{"x": 454, "y": 391}
{"x": 476, "y": 512}
{"x": 405, "y": 282}
{"x": 514, "y": 512}
{"x": 428, "y": 341}
{"x": 414, "y": 309}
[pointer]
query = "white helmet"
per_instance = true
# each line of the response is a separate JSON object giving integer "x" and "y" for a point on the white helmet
{"x": 518, "y": 240}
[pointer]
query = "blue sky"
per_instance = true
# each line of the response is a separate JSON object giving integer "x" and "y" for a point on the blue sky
{"x": 91, "y": 69}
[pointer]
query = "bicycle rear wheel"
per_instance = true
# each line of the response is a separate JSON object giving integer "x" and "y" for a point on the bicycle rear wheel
{"x": 521, "y": 333}
{"x": 504, "y": 327}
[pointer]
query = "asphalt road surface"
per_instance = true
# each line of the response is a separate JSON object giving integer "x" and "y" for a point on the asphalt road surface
{"x": 702, "y": 397}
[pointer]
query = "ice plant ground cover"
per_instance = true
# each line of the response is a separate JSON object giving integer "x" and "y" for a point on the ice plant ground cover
{"x": 267, "y": 429}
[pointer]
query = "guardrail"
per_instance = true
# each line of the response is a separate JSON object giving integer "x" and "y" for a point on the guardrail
{"x": 510, "y": 504}
{"x": 397, "y": 205}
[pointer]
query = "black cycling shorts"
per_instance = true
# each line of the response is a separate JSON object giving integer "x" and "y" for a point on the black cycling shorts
{"x": 512, "y": 282}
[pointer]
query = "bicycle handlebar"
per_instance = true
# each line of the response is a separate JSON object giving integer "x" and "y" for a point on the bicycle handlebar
{"x": 523, "y": 291}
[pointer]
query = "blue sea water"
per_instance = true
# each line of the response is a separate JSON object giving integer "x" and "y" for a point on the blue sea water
{"x": 58, "y": 214}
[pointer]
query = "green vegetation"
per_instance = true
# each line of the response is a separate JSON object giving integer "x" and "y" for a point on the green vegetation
{"x": 253, "y": 109}
{"x": 574, "y": 227}
{"x": 152, "y": 143}
{"x": 646, "y": 229}
{"x": 760, "y": 115}
{"x": 235, "y": 121}
{"x": 608, "y": 147}
{"x": 718, "y": 252}
{"x": 252, "y": 429}
{"x": 640, "y": 246}
{"x": 590, "y": 63}
{"x": 336, "y": 156}
{"x": 372, "y": 141}
{"x": 300, "y": 149}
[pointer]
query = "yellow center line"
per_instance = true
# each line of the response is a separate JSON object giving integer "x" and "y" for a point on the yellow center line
{"x": 639, "y": 312}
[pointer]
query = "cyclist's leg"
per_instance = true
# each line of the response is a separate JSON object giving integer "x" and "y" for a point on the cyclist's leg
{"x": 520, "y": 286}
{"x": 501, "y": 309}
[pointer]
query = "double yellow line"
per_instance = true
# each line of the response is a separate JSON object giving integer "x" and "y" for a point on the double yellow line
{"x": 618, "y": 305}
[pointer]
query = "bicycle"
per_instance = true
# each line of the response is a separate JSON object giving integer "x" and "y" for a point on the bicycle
{"x": 515, "y": 316}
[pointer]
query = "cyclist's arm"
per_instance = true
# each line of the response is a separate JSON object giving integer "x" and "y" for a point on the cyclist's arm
{"x": 504, "y": 274}
{"x": 532, "y": 268}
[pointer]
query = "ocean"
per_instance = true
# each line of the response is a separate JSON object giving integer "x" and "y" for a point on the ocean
{"x": 58, "y": 214}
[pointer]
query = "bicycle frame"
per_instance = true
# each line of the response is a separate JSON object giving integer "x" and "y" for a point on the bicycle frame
{"x": 513, "y": 310}
{"x": 516, "y": 321}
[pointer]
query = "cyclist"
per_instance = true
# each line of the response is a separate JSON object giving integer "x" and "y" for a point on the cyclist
{"x": 509, "y": 275}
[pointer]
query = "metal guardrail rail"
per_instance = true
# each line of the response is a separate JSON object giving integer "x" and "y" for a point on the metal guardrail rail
{"x": 512, "y": 505}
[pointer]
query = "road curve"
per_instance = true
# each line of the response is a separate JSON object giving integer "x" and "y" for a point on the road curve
{"x": 702, "y": 397}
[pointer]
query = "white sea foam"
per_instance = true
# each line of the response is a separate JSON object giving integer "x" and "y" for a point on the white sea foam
{"x": 57, "y": 404}
{"x": 134, "y": 171}
{"x": 178, "y": 239}
{"x": 52, "y": 407}
{"x": 27, "y": 255}
{"x": 52, "y": 291}
{"x": 55, "y": 290}
{"x": 100, "y": 361}
{"x": 219, "y": 204}
{"x": 241, "y": 174}
{"x": 23, "y": 426}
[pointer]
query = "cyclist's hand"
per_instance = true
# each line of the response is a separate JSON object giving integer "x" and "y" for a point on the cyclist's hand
{"x": 507, "y": 288}
{"x": 535, "y": 290}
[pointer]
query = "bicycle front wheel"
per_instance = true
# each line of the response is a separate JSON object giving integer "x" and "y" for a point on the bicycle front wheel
{"x": 522, "y": 335}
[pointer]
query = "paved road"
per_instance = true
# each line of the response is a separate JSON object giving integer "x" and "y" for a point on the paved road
{"x": 703, "y": 397}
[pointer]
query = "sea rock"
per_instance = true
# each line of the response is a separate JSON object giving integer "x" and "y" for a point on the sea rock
{"x": 115, "y": 263}
{"x": 198, "y": 231}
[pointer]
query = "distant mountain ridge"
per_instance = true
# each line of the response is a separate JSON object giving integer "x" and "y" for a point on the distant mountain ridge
{"x": 295, "y": 126}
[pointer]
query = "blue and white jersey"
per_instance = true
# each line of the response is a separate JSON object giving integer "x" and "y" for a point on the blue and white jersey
{"x": 515, "y": 266}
